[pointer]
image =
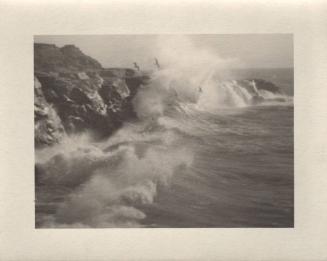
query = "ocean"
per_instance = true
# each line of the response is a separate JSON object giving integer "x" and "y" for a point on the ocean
{"x": 200, "y": 156}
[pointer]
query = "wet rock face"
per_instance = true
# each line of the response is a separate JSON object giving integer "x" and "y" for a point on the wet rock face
{"x": 260, "y": 85}
{"x": 265, "y": 85}
{"x": 48, "y": 126}
{"x": 73, "y": 93}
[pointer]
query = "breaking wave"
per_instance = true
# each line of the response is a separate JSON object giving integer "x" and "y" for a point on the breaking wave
{"x": 107, "y": 182}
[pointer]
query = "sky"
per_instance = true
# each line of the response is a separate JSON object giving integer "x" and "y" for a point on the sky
{"x": 242, "y": 50}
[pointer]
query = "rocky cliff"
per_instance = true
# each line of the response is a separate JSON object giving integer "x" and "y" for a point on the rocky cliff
{"x": 73, "y": 93}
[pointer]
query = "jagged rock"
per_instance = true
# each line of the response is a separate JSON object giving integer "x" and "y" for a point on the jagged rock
{"x": 265, "y": 85}
{"x": 48, "y": 126}
{"x": 259, "y": 85}
{"x": 79, "y": 94}
{"x": 121, "y": 88}
{"x": 118, "y": 73}
{"x": 83, "y": 76}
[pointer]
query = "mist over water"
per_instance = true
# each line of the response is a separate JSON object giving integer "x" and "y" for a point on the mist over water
{"x": 200, "y": 154}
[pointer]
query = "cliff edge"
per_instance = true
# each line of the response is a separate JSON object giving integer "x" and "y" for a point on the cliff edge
{"x": 74, "y": 93}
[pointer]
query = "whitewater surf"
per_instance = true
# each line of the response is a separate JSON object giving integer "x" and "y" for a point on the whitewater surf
{"x": 219, "y": 157}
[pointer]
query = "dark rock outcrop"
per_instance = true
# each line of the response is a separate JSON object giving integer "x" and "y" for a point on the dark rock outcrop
{"x": 267, "y": 86}
{"x": 48, "y": 126}
{"x": 48, "y": 57}
{"x": 259, "y": 84}
{"x": 73, "y": 93}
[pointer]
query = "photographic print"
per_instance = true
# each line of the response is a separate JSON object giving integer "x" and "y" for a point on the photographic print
{"x": 164, "y": 131}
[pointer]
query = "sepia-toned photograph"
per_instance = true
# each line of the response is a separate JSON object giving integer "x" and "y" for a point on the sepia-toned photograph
{"x": 164, "y": 131}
